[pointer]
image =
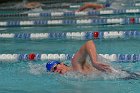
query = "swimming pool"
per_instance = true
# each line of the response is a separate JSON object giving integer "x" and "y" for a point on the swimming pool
{"x": 31, "y": 76}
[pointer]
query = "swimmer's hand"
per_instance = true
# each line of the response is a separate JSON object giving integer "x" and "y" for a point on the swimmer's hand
{"x": 103, "y": 67}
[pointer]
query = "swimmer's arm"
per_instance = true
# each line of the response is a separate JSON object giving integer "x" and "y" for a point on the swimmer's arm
{"x": 91, "y": 51}
{"x": 90, "y": 5}
{"x": 80, "y": 57}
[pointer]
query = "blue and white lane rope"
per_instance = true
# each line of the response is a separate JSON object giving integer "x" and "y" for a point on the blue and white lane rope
{"x": 64, "y": 57}
{"x": 75, "y": 14}
{"x": 73, "y": 35}
{"x": 42, "y": 7}
{"x": 131, "y": 5}
{"x": 95, "y": 21}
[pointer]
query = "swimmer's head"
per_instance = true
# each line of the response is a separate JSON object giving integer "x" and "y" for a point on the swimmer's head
{"x": 51, "y": 64}
{"x": 32, "y": 5}
{"x": 56, "y": 66}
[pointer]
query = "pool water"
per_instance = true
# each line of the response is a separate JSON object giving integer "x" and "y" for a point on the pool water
{"x": 32, "y": 77}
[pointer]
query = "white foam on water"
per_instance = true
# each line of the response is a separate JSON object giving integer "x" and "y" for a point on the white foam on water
{"x": 36, "y": 69}
{"x": 76, "y": 76}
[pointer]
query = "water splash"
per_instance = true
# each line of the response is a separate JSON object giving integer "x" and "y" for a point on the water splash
{"x": 36, "y": 69}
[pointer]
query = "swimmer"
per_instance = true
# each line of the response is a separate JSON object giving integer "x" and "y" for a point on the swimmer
{"x": 32, "y": 5}
{"x": 79, "y": 63}
{"x": 92, "y": 6}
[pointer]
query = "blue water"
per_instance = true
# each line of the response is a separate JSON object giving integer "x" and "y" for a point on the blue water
{"x": 31, "y": 77}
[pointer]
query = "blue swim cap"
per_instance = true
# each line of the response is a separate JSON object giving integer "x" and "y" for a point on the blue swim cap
{"x": 51, "y": 64}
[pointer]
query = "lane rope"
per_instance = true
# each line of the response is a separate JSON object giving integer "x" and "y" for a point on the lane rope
{"x": 42, "y": 7}
{"x": 73, "y": 35}
{"x": 64, "y": 57}
{"x": 95, "y": 21}
{"x": 75, "y": 14}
